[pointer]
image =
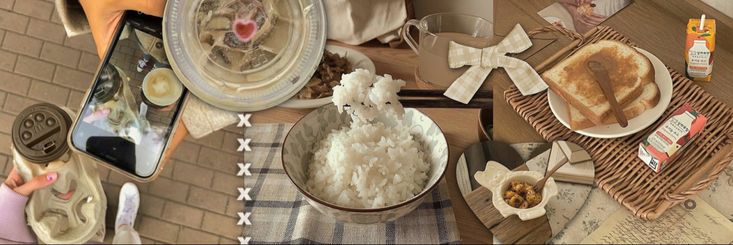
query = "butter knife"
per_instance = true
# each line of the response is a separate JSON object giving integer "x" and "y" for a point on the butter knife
{"x": 604, "y": 81}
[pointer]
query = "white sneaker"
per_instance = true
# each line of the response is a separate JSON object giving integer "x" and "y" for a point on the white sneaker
{"x": 127, "y": 208}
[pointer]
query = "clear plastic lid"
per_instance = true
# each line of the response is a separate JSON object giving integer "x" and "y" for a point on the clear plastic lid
{"x": 244, "y": 55}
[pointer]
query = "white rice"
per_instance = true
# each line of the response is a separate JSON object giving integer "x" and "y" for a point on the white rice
{"x": 365, "y": 96}
{"x": 368, "y": 164}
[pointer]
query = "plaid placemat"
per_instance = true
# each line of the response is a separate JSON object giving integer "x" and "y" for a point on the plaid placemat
{"x": 280, "y": 214}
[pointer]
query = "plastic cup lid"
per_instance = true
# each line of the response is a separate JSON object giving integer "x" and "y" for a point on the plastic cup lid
{"x": 110, "y": 84}
{"x": 39, "y": 133}
{"x": 244, "y": 55}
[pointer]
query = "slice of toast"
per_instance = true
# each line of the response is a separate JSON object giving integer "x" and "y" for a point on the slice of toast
{"x": 628, "y": 70}
{"x": 647, "y": 100}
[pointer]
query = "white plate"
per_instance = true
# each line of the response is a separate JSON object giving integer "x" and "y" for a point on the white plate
{"x": 357, "y": 60}
{"x": 664, "y": 82}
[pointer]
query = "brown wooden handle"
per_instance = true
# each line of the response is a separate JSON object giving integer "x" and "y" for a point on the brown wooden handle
{"x": 541, "y": 184}
{"x": 563, "y": 162}
{"x": 579, "y": 40}
{"x": 720, "y": 162}
{"x": 604, "y": 81}
{"x": 555, "y": 29}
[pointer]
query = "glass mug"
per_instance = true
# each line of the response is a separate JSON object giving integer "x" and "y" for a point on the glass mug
{"x": 436, "y": 32}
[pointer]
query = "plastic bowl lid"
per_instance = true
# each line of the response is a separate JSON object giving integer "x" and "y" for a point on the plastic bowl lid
{"x": 244, "y": 55}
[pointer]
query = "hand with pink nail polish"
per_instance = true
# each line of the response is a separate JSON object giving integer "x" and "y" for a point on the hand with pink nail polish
{"x": 16, "y": 183}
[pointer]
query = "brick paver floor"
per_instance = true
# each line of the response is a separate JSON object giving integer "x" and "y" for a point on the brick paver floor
{"x": 194, "y": 200}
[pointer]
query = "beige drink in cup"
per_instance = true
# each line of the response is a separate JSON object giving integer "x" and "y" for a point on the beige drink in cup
{"x": 436, "y": 31}
{"x": 161, "y": 88}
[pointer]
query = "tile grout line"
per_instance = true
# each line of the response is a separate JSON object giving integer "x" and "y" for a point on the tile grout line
{"x": 28, "y": 19}
{"x": 17, "y": 60}
{"x": 175, "y": 201}
{"x": 5, "y": 99}
{"x": 62, "y": 64}
{"x": 182, "y": 225}
{"x": 53, "y": 76}
{"x": 35, "y": 58}
{"x": 78, "y": 62}
{"x": 53, "y": 8}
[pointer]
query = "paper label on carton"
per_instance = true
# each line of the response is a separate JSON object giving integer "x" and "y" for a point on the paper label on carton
{"x": 666, "y": 138}
{"x": 699, "y": 60}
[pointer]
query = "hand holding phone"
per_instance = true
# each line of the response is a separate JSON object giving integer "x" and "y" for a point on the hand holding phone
{"x": 135, "y": 102}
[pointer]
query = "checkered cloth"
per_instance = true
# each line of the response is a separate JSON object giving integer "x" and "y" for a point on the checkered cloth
{"x": 280, "y": 214}
{"x": 482, "y": 61}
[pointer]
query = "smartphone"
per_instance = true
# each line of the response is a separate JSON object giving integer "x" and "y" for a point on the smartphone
{"x": 128, "y": 117}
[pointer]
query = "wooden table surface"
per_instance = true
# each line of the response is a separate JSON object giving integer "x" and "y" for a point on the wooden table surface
{"x": 655, "y": 25}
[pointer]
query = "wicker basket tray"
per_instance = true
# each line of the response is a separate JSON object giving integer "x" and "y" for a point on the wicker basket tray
{"x": 619, "y": 171}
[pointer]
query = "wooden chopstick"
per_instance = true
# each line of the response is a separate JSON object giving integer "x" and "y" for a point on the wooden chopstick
{"x": 437, "y": 93}
{"x": 447, "y": 103}
{"x": 425, "y": 98}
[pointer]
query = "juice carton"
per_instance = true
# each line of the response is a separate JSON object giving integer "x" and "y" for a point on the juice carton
{"x": 664, "y": 143}
{"x": 699, "y": 49}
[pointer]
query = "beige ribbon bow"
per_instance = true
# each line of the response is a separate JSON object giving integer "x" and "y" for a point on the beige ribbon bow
{"x": 482, "y": 61}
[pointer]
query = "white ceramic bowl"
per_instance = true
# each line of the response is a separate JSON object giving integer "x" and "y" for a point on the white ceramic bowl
{"x": 298, "y": 149}
{"x": 497, "y": 178}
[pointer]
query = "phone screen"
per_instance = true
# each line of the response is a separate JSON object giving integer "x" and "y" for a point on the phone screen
{"x": 132, "y": 107}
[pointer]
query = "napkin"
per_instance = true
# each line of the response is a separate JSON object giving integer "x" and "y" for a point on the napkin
{"x": 202, "y": 119}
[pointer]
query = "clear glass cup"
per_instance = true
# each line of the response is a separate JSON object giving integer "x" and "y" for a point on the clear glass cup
{"x": 436, "y": 31}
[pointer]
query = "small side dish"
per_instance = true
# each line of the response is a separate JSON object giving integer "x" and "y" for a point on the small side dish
{"x": 511, "y": 193}
{"x": 336, "y": 62}
{"x": 327, "y": 76}
{"x": 521, "y": 194}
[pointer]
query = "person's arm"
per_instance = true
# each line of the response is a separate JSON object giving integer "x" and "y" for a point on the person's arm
{"x": 573, "y": 2}
{"x": 105, "y": 15}
{"x": 149, "y": 7}
{"x": 14, "y": 194}
{"x": 13, "y": 223}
